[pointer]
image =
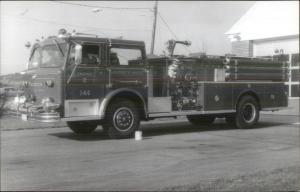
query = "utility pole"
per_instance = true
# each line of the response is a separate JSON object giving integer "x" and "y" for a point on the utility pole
{"x": 154, "y": 27}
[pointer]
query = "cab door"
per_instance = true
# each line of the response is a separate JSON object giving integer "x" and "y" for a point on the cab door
{"x": 128, "y": 68}
{"x": 85, "y": 83}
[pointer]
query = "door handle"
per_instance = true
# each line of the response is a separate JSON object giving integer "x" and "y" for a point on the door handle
{"x": 135, "y": 82}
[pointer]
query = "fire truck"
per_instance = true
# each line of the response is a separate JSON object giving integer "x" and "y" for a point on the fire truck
{"x": 88, "y": 81}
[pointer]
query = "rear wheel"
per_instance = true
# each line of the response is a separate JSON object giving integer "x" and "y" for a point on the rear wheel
{"x": 247, "y": 112}
{"x": 201, "y": 119}
{"x": 82, "y": 127}
{"x": 121, "y": 119}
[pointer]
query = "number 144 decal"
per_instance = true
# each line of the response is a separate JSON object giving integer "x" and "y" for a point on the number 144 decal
{"x": 84, "y": 92}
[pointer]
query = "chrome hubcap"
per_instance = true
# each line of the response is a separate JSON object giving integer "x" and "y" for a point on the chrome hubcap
{"x": 123, "y": 119}
{"x": 249, "y": 112}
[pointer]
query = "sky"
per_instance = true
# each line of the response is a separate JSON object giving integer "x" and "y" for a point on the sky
{"x": 202, "y": 22}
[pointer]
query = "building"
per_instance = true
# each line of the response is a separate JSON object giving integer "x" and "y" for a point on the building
{"x": 266, "y": 29}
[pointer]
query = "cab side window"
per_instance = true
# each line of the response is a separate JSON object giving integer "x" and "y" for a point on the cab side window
{"x": 91, "y": 55}
{"x": 125, "y": 56}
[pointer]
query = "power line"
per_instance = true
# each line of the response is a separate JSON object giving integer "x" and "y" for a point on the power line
{"x": 103, "y": 7}
{"x": 167, "y": 25}
{"x": 71, "y": 25}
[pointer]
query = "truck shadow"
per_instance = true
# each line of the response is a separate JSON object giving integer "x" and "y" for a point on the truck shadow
{"x": 186, "y": 127}
{"x": 158, "y": 129}
{"x": 97, "y": 135}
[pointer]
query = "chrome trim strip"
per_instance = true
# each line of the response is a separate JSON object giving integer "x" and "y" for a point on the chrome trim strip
{"x": 235, "y": 68}
{"x": 238, "y": 82}
{"x": 182, "y": 113}
{"x": 135, "y": 81}
{"x": 275, "y": 108}
{"x": 147, "y": 78}
{"x": 109, "y": 85}
{"x": 45, "y": 78}
{"x": 84, "y": 118}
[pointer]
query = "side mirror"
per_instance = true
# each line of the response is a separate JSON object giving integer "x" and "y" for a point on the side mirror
{"x": 78, "y": 54}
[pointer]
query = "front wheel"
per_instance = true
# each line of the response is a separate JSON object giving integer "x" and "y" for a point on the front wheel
{"x": 247, "y": 113}
{"x": 201, "y": 119}
{"x": 121, "y": 119}
{"x": 82, "y": 127}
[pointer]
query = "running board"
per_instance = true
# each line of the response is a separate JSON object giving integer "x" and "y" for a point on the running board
{"x": 192, "y": 112}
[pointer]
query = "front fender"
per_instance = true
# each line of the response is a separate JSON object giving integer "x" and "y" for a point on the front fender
{"x": 106, "y": 100}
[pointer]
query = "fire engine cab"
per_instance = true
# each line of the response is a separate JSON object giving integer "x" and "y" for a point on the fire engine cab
{"x": 89, "y": 81}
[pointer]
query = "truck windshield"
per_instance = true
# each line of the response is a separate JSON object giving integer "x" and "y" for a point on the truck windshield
{"x": 53, "y": 56}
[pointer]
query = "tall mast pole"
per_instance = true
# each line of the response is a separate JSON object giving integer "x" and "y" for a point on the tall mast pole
{"x": 154, "y": 27}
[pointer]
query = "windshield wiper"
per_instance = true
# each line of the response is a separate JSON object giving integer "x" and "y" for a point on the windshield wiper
{"x": 58, "y": 47}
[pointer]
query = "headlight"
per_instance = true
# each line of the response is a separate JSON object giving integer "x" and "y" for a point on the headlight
{"x": 25, "y": 83}
{"x": 49, "y": 105}
{"x": 47, "y": 100}
{"x": 49, "y": 83}
{"x": 20, "y": 99}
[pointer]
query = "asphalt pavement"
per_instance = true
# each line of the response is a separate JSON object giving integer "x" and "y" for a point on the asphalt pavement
{"x": 172, "y": 153}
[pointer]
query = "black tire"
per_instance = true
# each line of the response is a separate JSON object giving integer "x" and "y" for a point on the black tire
{"x": 82, "y": 127}
{"x": 201, "y": 119}
{"x": 121, "y": 119}
{"x": 247, "y": 114}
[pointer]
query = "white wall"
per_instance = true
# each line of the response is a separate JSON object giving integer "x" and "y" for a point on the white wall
{"x": 289, "y": 45}
{"x": 267, "y": 47}
{"x": 266, "y": 19}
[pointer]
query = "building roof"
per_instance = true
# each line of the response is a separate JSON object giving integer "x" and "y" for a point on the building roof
{"x": 267, "y": 19}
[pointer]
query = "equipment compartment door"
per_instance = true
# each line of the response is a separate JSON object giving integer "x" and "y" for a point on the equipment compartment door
{"x": 217, "y": 96}
{"x": 276, "y": 95}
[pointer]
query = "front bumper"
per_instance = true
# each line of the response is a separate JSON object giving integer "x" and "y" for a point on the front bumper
{"x": 34, "y": 113}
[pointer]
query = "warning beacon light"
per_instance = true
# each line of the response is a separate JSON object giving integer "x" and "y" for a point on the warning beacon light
{"x": 62, "y": 32}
